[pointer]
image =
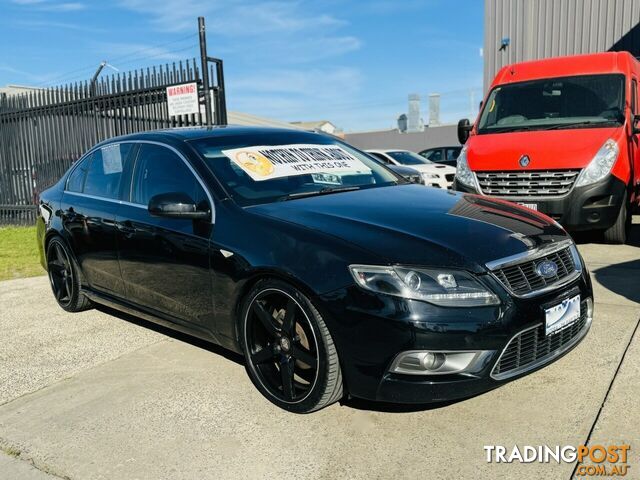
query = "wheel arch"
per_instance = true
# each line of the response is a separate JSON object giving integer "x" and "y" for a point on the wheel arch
{"x": 50, "y": 235}
{"x": 259, "y": 275}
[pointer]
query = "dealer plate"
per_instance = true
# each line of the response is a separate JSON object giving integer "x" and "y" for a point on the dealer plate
{"x": 561, "y": 315}
{"x": 532, "y": 206}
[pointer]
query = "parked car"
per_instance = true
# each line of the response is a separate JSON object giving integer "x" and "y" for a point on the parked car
{"x": 434, "y": 175}
{"x": 330, "y": 274}
{"x": 410, "y": 174}
{"x": 560, "y": 136}
{"x": 443, "y": 155}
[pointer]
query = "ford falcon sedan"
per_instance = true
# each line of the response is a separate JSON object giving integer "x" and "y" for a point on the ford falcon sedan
{"x": 328, "y": 272}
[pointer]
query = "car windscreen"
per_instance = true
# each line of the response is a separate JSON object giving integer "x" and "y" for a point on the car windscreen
{"x": 555, "y": 103}
{"x": 407, "y": 158}
{"x": 274, "y": 166}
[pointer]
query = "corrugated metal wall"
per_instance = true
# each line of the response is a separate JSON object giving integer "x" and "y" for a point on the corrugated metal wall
{"x": 550, "y": 28}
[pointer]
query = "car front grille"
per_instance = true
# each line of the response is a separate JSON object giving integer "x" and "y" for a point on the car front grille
{"x": 532, "y": 347}
{"x": 522, "y": 278}
{"x": 540, "y": 183}
{"x": 449, "y": 177}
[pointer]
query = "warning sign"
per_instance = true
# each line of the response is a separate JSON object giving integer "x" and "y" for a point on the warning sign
{"x": 183, "y": 99}
{"x": 269, "y": 162}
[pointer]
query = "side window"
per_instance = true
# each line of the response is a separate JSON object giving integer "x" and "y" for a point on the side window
{"x": 634, "y": 96}
{"x": 105, "y": 171}
{"x": 436, "y": 156}
{"x": 452, "y": 153}
{"x": 159, "y": 170}
{"x": 75, "y": 182}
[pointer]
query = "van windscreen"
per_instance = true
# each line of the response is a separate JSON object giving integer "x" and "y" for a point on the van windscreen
{"x": 554, "y": 103}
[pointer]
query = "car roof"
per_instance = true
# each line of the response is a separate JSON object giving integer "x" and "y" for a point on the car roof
{"x": 194, "y": 133}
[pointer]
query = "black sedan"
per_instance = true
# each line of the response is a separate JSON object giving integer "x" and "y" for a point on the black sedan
{"x": 328, "y": 272}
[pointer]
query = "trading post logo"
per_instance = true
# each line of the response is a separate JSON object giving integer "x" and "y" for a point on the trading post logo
{"x": 596, "y": 460}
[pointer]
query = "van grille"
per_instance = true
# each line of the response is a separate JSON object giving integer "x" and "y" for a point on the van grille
{"x": 540, "y": 183}
{"x": 522, "y": 278}
{"x": 532, "y": 347}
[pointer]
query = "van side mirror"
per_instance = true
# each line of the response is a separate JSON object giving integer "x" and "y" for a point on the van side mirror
{"x": 176, "y": 205}
{"x": 635, "y": 128}
{"x": 464, "y": 127}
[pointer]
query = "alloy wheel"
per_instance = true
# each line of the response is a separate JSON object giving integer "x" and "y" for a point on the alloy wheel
{"x": 282, "y": 346}
{"x": 60, "y": 273}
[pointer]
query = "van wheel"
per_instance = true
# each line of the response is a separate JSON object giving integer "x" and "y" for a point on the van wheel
{"x": 619, "y": 231}
{"x": 289, "y": 352}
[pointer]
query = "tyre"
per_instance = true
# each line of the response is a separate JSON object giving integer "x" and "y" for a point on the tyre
{"x": 619, "y": 231}
{"x": 64, "y": 277}
{"x": 289, "y": 354}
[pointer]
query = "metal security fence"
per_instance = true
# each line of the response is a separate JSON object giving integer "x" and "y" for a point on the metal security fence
{"x": 44, "y": 131}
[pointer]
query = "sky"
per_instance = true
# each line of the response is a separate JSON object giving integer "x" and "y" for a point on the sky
{"x": 351, "y": 62}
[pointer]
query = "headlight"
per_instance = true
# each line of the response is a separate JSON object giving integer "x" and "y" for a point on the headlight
{"x": 428, "y": 176}
{"x": 447, "y": 288}
{"x": 601, "y": 164}
{"x": 463, "y": 173}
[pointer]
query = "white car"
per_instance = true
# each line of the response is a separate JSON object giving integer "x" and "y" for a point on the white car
{"x": 433, "y": 174}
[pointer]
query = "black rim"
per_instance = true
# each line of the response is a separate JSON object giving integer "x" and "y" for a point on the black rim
{"x": 282, "y": 345}
{"x": 60, "y": 273}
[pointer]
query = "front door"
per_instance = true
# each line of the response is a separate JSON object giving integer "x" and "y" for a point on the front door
{"x": 165, "y": 261}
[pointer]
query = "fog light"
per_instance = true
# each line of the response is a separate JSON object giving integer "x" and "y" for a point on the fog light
{"x": 433, "y": 361}
{"x": 424, "y": 362}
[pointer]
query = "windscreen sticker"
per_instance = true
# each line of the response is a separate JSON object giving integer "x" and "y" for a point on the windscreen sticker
{"x": 111, "y": 159}
{"x": 269, "y": 162}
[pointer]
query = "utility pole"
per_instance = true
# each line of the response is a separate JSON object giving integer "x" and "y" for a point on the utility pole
{"x": 205, "y": 71}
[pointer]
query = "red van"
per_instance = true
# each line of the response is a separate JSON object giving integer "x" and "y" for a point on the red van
{"x": 560, "y": 136}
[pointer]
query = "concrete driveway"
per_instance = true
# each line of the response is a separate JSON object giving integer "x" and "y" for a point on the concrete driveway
{"x": 100, "y": 395}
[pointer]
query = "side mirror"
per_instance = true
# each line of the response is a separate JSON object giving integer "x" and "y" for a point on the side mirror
{"x": 176, "y": 205}
{"x": 635, "y": 128}
{"x": 464, "y": 127}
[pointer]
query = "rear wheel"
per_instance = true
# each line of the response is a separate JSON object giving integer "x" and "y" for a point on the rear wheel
{"x": 290, "y": 355}
{"x": 64, "y": 278}
{"x": 619, "y": 231}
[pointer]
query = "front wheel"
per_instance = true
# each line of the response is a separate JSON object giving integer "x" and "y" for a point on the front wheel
{"x": 289, "y": 353}
{"x": 619, "y": 231}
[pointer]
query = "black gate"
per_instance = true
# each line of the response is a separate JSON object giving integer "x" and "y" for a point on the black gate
{"x": 43, "y": 132}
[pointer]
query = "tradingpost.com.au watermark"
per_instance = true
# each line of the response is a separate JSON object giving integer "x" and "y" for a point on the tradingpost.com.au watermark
{"x": 602, "y": 460}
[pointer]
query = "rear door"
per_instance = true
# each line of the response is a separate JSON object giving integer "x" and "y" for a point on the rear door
{"x": 88, "y": 211}
{"x": 165, "y": 261}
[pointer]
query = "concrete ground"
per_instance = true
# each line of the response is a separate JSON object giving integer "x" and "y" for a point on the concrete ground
{"x": 101, "y": 395}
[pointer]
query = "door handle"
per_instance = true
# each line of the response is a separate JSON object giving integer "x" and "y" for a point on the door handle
{"x": 126, "y": 228}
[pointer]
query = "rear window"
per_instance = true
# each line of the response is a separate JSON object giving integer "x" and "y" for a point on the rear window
{"x": 105, "y": 171}
{"x": 75, "y": 183}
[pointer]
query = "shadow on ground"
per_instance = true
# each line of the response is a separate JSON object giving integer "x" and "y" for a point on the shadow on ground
{"x": 610, "y": 277}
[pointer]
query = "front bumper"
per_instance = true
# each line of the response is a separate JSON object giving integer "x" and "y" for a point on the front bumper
{"x": 593, "y": 207}
{"x": 439, "y": 182}
{"x": 373, "y": 329}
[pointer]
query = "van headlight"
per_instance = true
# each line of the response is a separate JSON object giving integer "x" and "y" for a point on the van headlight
{"x": 601, "y": 164}
{"x": 464, "y": 175}
{"x": 446, "y": 288}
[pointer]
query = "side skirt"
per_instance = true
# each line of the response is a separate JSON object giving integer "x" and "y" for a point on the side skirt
{"x": 151, "y": 316}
